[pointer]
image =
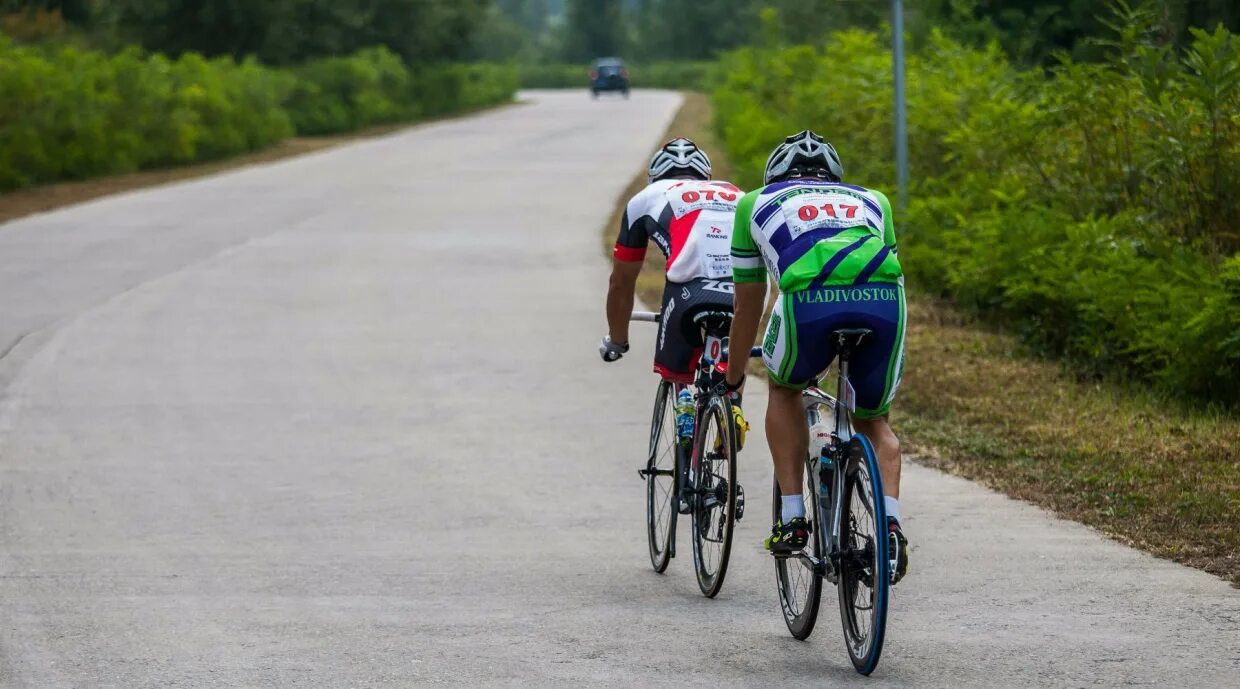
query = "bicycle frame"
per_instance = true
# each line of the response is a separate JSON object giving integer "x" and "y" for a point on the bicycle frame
{"x": 714, "y": 353}
{"x": 829, "y": 541}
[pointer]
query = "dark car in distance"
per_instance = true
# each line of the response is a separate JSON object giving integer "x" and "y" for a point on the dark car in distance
{"x": 609, "y": 74}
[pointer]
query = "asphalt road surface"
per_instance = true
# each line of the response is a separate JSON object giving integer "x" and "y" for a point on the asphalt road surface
{"x": 338, "y": 421}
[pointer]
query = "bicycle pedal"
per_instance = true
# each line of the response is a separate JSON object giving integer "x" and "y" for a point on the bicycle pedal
{"x": 740, "y": 502}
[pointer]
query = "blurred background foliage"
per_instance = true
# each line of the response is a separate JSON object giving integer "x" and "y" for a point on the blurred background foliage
{"x": 281, "y": 32}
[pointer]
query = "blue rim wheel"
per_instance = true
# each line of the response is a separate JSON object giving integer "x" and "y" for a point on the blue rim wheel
{"x": 865, "y": 572}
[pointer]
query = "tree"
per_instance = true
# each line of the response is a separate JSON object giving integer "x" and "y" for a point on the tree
{"x": 500, "y": 38}
{"x": 286, "y": 31}
{"x": 530, "y": 15}
{"x": 692, "y": 29}
{"x": 73, "y": 11}
{"x": 1034, "y": 30}
{"x": 592, "y": 28}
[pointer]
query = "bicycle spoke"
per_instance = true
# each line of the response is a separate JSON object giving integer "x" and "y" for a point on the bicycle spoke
{"x": 661, "y": 481}
{"x": 713, "y": 492}
{"x": 798, "y": 584}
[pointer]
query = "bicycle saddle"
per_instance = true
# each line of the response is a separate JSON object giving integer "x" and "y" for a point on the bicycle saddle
{"x": 715, "y": 322}
{"x": 851, "y": 336}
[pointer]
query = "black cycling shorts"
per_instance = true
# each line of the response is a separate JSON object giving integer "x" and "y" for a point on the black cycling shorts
{"x": 680, "y": 339}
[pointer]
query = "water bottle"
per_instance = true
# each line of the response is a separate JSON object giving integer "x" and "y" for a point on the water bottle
{"x": 819, "y": 438}
{"x": 684, "y": 415}
{"x": 819, "y": 441}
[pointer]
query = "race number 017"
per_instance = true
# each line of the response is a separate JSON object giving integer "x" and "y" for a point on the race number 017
{"x": 832, "y": 210}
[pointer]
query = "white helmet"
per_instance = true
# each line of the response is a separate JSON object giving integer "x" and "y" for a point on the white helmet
{"x": 679, "y": 157}
{"x": 803, "y": 153}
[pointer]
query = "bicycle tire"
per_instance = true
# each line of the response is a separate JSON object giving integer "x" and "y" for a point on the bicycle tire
{"x": 865, "y": 575}
{"x": 800, "y": 588}
{"x": 661, "y": 510}
{"x": 714, "y": 512}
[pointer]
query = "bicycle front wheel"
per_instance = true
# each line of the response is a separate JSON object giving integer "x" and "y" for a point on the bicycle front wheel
{"x": 661, "y": 478}
{"x": 864, "y": 582}
{"x": 713, "y": 480}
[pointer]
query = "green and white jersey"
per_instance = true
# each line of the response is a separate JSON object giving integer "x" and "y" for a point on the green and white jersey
{"x": 814, "y": 233}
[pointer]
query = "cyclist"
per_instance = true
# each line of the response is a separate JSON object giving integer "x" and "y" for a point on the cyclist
{"x": 831, "y": 249}
{"x": 690, "y": 218}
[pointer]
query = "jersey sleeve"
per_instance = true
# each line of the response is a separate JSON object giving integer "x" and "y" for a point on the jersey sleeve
{"x": 635, "y": 231}
{"x": 747, "y": 265}
{"x": 889, "y": 226}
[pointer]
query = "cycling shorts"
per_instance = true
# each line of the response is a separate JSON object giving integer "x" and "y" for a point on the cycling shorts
{"x": 798, "y": 345}
{"x": 680, "y": 340}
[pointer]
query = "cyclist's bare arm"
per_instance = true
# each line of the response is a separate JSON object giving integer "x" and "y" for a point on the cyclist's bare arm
{"x": 749, "y": 299}
{"x": 620, "y": 298}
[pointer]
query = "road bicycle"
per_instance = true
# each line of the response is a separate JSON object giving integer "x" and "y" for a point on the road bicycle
{"x": 695, "y": 475}
{"x": 844, "y": 493}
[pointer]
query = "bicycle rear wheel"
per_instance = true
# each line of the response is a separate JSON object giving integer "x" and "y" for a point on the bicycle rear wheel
{"x": 661, "y": 478}
{"x": 713, "y": 493}
{"x": 800, "y": 588}
{"x": 864, "y": 582}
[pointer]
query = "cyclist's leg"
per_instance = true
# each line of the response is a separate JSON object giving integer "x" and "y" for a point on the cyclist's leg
{"x": 875, "y": 374}
{"x": 887, "y": 449}
{"x": 794, "y": 349}
{"x": 787, "y": 435}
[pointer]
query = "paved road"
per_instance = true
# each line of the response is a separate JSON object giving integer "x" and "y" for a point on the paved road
{"x": 338, "y": 422}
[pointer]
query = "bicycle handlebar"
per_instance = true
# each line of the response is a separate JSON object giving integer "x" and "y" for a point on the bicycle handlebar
{"x": 755, "y": 353}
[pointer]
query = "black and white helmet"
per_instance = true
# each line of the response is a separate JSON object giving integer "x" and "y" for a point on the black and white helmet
{"x": 679, "y": 157}
{"x": 803, "y": 154}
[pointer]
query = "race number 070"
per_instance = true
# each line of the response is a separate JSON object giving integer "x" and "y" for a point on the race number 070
{"x": 694, "y": 197}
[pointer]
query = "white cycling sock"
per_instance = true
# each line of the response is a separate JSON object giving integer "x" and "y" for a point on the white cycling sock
{"x": 893, "y": 508}
{"x": 793, "y": 507}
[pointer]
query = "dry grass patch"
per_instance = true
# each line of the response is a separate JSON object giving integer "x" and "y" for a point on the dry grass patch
{"x": 1146, "y": 470}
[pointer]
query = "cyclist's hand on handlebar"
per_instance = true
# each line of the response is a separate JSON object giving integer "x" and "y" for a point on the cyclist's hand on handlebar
{"x": 610, "y": 351}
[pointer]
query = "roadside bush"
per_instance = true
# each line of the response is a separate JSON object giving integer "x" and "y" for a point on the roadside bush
{"x": 554, "y": 76}
{"x": 444, "y": 89}
{"x": 68, "y": 113}
{"x": 341, "y": 94}
{"x": 1095, "y": 207}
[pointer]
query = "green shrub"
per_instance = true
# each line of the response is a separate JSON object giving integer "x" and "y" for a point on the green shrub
{"x": 1094, "y": 206}
{"x": 341, "y": 94}
{"x": 554, "y": 76}
{"x": 68, "y": 113}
